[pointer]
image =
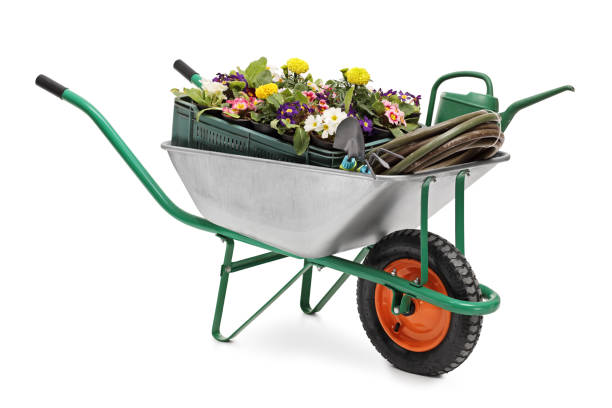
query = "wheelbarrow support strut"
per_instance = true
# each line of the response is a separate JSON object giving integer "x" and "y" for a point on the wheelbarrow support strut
{"x": 489, "y": 304}
{"x": 229, "y": 267}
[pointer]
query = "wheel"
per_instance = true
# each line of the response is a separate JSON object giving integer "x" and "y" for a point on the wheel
{"x": 426, "y": 340}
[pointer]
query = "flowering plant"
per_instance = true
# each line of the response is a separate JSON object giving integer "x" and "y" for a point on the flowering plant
{"x": 325, "y": 125}
{"x": 240, "y": 106}
{"x": 397, "y": 113}
{"x": 209, "y": 97}
{"x": 292, "y": 102}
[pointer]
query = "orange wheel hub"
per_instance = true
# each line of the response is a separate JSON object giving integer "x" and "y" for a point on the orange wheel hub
{"x": 422, "y": 330}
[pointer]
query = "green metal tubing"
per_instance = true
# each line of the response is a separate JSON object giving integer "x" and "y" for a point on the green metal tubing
{"x": 255, "y": 261}
{"x": 424, "y": 230}
{"x": 196, "y": 79}
{"x": 460, "y": 210}
{"x": 489, "y": 304}
{"x": 342, "y": 265}
{"x": 307, "y": 283}
{"x": 216, "y": 329}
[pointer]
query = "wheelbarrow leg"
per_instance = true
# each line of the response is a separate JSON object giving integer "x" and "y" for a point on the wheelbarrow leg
{"x": 229, "y": 267}
{"x": 307, "y": 283}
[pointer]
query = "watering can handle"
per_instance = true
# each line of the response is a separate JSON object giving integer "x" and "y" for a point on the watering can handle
{"x": 434, "y": 88}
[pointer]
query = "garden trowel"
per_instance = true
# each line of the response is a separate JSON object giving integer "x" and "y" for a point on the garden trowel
{"x": 349, "y": 137}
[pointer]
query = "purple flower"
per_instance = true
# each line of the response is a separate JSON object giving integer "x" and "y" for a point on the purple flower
{"x": 366, "y": 124}
{"x": 407, "y": 97}
{"x": 225, "y": 78}
{"x": 322, "y": 95}
{"x": 292, "y": 110}
{"x": 388, "y": 93}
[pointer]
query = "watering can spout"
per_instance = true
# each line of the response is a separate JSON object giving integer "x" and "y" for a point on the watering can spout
{"x": 507, "y": 116}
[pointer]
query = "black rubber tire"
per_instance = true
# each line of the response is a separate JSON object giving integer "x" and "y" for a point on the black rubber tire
{"x": 459, "y": 280}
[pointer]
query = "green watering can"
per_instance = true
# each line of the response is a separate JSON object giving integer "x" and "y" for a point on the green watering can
{"x": 453, "y": 104}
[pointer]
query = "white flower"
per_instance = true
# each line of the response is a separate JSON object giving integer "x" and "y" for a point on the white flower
{"x": 329, "y": 129}
{"x": 313, "y": 86}
{"x": 276, "y": 73}
{"x": 313, "y": 123}
{"x": 213, "y": 88}
{"x": 334, "y": 116}
{"x": 325, "y": 133}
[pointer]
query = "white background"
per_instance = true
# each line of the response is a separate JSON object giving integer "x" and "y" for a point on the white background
{"x": 107, "y": 301}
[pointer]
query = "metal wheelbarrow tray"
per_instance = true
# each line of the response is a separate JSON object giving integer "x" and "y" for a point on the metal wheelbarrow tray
{"x": 306, "y": 210}
{"x": 418, "y": 299}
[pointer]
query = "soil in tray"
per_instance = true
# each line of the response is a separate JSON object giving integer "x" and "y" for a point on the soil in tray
{"x": 322, "y": 143}
{"x": 238, "y": 121}
{"x": 264, "y": 128}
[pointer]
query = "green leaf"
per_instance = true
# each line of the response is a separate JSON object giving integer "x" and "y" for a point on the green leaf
{"x": 286, "y": 93}
{"x": 364, "y": 107}
{"x": 196, "y": 95}
{"x": 378, "y": 107}
{"x": 408, "y": 108}
{"x": 396, "y": 132}
{"x": 298, "y": 96}
{"x": 237, "y": 86}
{"x": 348, "y": 98}
{"x": 300, "y": 141}
{"x": 410, "y": 127}
{"x": 255, "y": 116}
{"x": 254, "y": 68}
{"x": 276, "y": 100}
{"x": 264, "y": 77}
{"x": 300, "y": 87}
{"x": 274, "y": 124}
{"x": 393, "y": 98}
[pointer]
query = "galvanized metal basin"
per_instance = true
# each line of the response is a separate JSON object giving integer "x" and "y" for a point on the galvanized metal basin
{"x": 306, "y": 210}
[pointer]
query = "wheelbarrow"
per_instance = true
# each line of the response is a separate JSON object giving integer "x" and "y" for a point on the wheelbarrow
{"x": 417, "y": 296}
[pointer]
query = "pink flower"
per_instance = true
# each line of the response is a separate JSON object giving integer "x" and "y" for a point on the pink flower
{"x": 253, "y": 101}
{"x": 388, "y": 105}
{"x": 395, "y": 116}
{"x": 227, "y": 109}
{"x": 310, "y": 95}
{"x": 239, "y": 104}
{"x": 323, "y": 105}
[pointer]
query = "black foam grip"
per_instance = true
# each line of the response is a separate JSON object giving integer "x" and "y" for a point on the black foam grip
{"x": 184, "y": 69}
{"x": 50, "y": 85}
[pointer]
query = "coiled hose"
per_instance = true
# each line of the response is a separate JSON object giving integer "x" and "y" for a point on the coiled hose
{"x": 470, "y": 137}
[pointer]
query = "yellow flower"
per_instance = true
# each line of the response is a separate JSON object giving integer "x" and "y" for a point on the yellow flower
{"x": 358, "y": 76}
{"x": 297, "y": 65}
{"x": 266, "y": 90}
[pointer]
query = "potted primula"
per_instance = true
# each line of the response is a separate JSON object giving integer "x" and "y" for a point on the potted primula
{"x": 322, "y": 127}
{"x": 209, "y": 97}
{"x": 287, "y": 108}
{"x": 237, "y": 110}
{"x": 397, "y": 114}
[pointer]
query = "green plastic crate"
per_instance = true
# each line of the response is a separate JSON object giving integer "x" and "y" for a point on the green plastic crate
{"x": 216, "y": 134}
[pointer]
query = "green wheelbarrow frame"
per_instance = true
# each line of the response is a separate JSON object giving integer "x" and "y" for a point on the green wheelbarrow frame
{"x": 403, "y": 290}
